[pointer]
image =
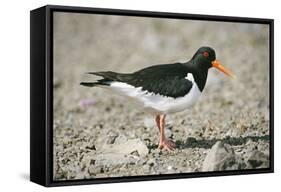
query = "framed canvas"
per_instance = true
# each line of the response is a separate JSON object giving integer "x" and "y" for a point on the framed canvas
{"x": 122, "y": 95}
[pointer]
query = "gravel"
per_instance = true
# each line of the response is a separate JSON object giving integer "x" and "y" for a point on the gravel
{"x": 98, "y": 134}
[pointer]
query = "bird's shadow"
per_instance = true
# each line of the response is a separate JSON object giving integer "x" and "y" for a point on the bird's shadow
{"x": 192, "y": 142}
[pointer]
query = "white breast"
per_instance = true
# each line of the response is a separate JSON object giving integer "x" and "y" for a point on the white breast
{"x": 155, "y": 103}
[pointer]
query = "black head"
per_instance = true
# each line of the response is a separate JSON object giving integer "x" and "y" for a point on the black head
{"x": 204, "y": 57}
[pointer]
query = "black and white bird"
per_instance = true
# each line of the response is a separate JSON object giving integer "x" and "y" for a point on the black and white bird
{"x": 163, "y": 89}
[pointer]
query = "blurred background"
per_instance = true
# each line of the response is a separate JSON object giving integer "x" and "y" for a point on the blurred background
{"x": 91, "y": 125}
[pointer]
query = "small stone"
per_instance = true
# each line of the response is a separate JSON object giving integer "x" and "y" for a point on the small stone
{"x": 92, "y": 162}
{"x": 169, "y": 167}
{"x": 234, "y": 132}
{"x": 91, "y": 147}
{"x": 135, "y": 153}
{"x": 146, "y": 169}
{"x": 151, "y": 162}
{"x": 169, "y": 133}
{"x": 111, "y": 137}
{"x": 91, "y": 169}
{"x": 249, "y": 142}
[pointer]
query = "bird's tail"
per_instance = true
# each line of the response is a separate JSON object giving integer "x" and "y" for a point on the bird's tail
{"x": 93, "y": 84}
{"x": 108, "y": 78}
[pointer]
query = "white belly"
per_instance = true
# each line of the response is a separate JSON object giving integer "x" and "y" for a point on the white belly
{"x": 155, "y": 103}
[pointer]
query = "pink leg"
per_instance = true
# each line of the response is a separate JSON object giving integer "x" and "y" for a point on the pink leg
{"x": 157, "y": 119}
{"x": 164, "y": 143}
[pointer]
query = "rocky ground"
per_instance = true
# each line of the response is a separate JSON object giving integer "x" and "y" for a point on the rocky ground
{"x": 98, "y": 134}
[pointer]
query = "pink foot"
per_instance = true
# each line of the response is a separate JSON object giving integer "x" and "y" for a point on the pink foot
{"x": 167, "y": 144}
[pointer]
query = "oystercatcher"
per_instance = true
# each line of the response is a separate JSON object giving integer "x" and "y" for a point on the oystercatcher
{"x": 163, "y": 89}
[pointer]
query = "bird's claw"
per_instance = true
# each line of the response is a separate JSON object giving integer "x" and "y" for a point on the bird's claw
{"x": 167, "y": 144}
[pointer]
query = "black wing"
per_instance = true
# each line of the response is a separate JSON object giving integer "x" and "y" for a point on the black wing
{"x": 167, "y": 80}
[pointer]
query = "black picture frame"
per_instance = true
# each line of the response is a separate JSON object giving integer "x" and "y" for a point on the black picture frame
{"x": 41, "y": 93}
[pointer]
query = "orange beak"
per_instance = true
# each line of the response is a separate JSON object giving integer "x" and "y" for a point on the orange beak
{"x": 217, "y": 65}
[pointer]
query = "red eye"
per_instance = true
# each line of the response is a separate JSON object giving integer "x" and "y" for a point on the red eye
{"x": 205, "y": 54}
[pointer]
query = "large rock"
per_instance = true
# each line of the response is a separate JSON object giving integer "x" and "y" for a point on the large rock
{"x": 219, "y": 158}
{"x": 115, "y": 153}
{"x": 125, "y": 146}
{"x": 118, "y": 152}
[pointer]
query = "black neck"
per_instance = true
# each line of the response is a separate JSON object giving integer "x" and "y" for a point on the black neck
{"x": 200, "y": 74}
{"x": 200, "y": 79}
